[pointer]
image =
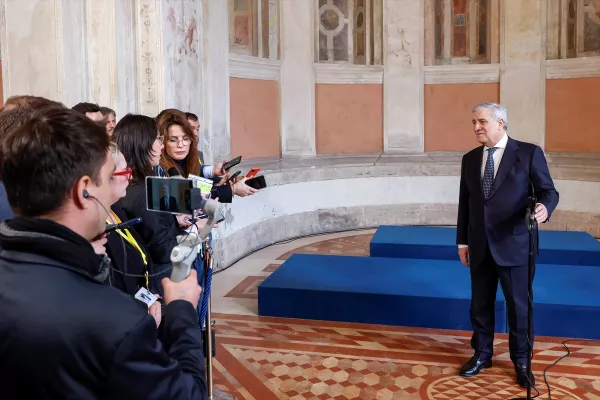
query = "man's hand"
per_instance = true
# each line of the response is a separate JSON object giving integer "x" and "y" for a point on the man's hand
{"x": 183, "y": 220}
{"x": 541, "y": 214}
{"x": 188, "y": 289}
{"x": 241, "y": 189}
{"x": 99, "y": 243}
{"x": 218, "y": 169}
{"x": 463, "y": 253}
{"x": 223, "y": 180}
{"x": 156, "y": 312}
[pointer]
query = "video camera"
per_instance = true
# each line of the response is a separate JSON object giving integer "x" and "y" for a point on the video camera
{"x": 177, "y": 195}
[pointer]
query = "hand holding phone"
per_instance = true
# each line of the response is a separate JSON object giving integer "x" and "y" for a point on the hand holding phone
{"x": 232, "y": 177}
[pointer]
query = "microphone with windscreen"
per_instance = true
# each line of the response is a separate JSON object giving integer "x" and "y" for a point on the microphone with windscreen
{"x": 188, "y": 245}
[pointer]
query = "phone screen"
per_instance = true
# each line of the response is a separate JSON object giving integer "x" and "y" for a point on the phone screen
{"x": 168, "y": 194}
{"x": 232, "y": 163}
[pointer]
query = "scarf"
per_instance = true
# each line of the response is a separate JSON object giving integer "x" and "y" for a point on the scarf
{"x": 49, "y": 239}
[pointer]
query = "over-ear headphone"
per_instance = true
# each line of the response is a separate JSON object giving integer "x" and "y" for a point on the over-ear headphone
{"x": 86, "y": 194}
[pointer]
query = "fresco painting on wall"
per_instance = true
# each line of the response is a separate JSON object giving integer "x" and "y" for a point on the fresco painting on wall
{"x": 462, "y": 32}
{"x": 349, "y": 32}
{"x": 573, "y": 29}
{"x": 254, "y": 28}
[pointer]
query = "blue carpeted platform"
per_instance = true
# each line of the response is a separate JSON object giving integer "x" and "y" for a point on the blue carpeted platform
{"x": 566, "y": 302}
{"x": 422, "y": 242}
{"x": 403, "y": 292}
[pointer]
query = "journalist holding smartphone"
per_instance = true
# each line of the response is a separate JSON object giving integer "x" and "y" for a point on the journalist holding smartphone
{"x": 69, "y": 336}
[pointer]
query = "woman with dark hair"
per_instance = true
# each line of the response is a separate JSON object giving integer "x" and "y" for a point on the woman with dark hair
{"x": 138, "y": 139}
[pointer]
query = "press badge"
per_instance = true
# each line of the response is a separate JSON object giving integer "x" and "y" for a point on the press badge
{"x": 145, "y": 296}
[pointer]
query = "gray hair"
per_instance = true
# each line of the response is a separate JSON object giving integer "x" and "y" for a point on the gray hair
{"x": 496, "y": 110}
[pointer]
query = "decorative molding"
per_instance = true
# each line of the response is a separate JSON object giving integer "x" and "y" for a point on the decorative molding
{"x": 469, "y": 73}
{"x": 149, "y": 56}
{"x": 573, "y": 68}
{"x": 248, "y": 67}
{"x": 348, "y": 74}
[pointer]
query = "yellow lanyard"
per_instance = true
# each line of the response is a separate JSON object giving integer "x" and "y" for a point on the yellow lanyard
{"x": 199, "y": 160}
{"x": 129, "y": 238}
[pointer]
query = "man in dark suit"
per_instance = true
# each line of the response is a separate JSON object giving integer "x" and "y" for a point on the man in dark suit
{"x": 168, "y": 202}
{"x": 492, "y": 233}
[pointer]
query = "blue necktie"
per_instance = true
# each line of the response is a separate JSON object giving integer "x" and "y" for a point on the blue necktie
{"x": 488, "y": 174}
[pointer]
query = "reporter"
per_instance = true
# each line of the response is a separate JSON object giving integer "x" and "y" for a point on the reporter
{"x": 138, "y": 139}
{"x": 127, "y": 251}
{"x": 177, "y": 154}
{"x": 68, "y": 335}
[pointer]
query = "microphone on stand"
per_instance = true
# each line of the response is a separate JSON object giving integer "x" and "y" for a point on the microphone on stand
{"x": 532, "y": 199}
{"x": 533, "y": 245}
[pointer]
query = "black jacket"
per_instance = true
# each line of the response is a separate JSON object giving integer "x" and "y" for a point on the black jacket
{"x": 158, "y": 230}
{"x": 124, "y": 256}
{"x": 65, "y": 335}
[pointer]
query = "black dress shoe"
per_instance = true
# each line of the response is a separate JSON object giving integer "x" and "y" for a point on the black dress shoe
{"x": 474, "y": 366}
{"x": 522, "y": 380}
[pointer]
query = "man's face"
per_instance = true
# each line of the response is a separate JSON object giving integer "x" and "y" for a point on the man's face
{"x": 196, "y": 126}
{"x": 95, "y": 116}
{"x": 111, "y": 122}
{"x": 104, "y": 194}
{"x": 487, "y": 130}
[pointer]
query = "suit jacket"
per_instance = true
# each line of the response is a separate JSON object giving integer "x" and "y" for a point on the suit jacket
{"x": 500, "y": 221}
{"x": 173, "y": 206}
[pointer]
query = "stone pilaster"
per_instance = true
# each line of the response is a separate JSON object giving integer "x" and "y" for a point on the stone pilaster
{"x": 42, "y": 43}
{"x": 403, "y": 76}
{"x": 297, "y": 78}
{"x": 215, "y": 127}
{"x": 522, "y": 75}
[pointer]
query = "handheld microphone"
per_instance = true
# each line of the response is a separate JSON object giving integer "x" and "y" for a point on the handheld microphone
{"x": 122, "y": 225}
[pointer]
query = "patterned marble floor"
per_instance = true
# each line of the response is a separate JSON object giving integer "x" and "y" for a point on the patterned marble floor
{"x": 271, "y": 358}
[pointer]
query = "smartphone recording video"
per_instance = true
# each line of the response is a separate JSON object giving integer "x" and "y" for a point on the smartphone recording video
{"x": 171, "y": 195}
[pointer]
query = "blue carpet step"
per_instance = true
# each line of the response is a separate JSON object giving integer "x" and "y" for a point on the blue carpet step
{"x": 389, "y": 291}
{"x": 566, "y": 301}
{"x": 425, "y": 242}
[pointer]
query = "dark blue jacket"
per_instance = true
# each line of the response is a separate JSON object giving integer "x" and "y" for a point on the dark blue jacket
{"x": 5, "y": 209}
{"x": 64, "y": 335}
{"x": 500, "y": 221}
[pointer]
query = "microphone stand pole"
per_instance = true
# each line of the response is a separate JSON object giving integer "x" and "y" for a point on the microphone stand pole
{"x": 532, "y": 227}
{"x": 212, "y": 393}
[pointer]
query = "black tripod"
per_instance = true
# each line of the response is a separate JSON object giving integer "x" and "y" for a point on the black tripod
{"x": 532, "y": 227}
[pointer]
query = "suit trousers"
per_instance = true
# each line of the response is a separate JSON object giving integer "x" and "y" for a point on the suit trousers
{"x": 484, "y": 285}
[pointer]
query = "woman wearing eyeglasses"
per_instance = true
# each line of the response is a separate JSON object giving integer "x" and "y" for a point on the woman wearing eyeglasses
{"x": 180, "y": 154}
{"x": 130, "y": 260}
